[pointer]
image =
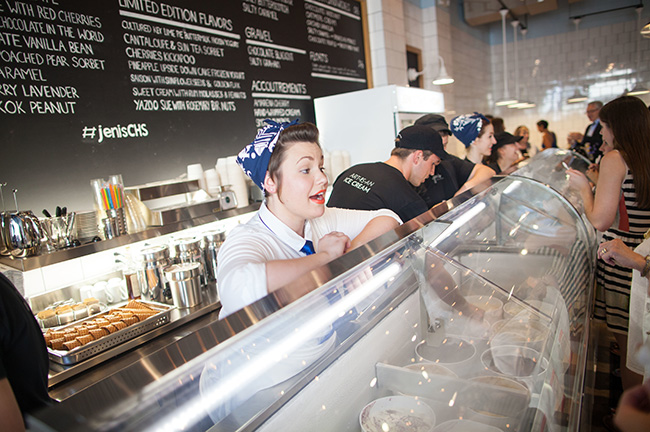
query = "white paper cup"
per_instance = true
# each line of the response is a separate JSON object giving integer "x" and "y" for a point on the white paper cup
{"x": 195, "y": 171}
{"x": 222, "y": 169}
{"x": 492, "y": 306}
{"x": 499, "y": 409}
{"x": 396, "y": 413}
{"x": 100, "y": 293}
{"x": 521, "y": 363}
{"x": 455, "y": 354}
{"x": 522, "y": 331}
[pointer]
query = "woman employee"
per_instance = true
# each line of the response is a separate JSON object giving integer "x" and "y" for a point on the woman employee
{"x": 293, "y": 233}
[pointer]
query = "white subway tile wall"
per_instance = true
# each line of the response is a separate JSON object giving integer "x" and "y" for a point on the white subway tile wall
{"x": 600, "y": 60}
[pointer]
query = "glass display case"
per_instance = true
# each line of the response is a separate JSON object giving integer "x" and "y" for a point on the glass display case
{"x": 475, "y": 320}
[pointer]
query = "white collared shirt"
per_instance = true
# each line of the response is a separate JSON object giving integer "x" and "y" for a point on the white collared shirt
{"x": 593, "y": 127}
{"x": 241, "y": 271}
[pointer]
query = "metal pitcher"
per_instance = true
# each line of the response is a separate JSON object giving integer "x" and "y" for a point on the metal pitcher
{"x": 5, "y": 219}
{"x": 22, "y": 233}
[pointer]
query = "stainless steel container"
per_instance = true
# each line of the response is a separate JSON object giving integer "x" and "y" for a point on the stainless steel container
{"x": 22, "y": 234}
{"x": 188, "y": 250}
{"x": 154, "y": 287}
{"x": 185, "y": 285}
{"x": 213, "y": 241}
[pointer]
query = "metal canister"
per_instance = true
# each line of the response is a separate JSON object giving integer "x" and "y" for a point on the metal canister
{"x": 188, "y": 250}
{"x": 213, "y": 241}
{"x": 185, "y": 285}
{"x": 154, "y": 287}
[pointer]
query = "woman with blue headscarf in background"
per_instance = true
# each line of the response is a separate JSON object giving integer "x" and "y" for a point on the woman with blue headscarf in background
{"x": 476, "y": 133}
{"x": 293, "y": 233}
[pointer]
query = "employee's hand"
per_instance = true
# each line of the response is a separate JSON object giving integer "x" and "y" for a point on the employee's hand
{"x": 633, "y": 412}
{"x": 334, "y": 244}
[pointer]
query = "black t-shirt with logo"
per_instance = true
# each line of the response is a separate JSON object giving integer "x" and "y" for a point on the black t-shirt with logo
{"x": 450, "y": 175}
{"x": 375, "y": 186}
{"x": 23, "y": 354}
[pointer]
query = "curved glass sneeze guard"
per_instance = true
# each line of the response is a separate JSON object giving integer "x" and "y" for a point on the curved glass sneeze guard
{"x": 477, "y": 317}
{"x": 229, "y": 387}
{"x": 520, "y": 259}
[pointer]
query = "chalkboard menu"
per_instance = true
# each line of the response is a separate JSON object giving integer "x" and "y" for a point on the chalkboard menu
{"x": 145, "y": 87}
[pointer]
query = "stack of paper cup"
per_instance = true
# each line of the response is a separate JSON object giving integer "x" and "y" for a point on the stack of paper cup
{"x": 195, "y": 172}
{"x": 346, "y": 159}
{"x": 222, "y": 170}
{"x": 237, "y": 180}
{"x": 337, "y": 162}
{"x": 327, "y": 165}
{"x": 212, "y": 181}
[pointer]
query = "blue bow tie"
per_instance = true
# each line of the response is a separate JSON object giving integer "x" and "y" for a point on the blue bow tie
{"x": 308, "y": 248}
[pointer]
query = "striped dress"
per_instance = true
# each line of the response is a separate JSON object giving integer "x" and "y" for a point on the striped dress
{"x": 613, "y": 282}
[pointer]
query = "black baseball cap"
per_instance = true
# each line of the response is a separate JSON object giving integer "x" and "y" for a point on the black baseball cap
{"x": 504, "y": 138}
{"x": 434, "y": 121}
{"x": 418, "y": 137}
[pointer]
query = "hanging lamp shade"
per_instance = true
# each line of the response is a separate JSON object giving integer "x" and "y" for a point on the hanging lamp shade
{"x": 638, "y": 90}
{"x": 577, "y": 97}
{"x": 506, "y": 102}
{"x": 443, "y": 77}
{"x": 645, "y": 31}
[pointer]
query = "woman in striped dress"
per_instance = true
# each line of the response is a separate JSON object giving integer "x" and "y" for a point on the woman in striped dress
{"x": 623, "y": 188}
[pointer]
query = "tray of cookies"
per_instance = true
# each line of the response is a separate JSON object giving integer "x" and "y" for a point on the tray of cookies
{"x": 83, "y": 339}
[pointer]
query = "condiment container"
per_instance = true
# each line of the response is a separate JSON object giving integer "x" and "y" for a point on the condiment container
{"x": 185, "y": 285}
{"x": 80, "y": 311}
{"x": 188, "y": 250}
{"x": 47, "y": 318}
{"x": 92, "y": 304}
{"x": 64, "y": 314}
{"x": 213, "y": 241}
{"x": 154, "y": 287}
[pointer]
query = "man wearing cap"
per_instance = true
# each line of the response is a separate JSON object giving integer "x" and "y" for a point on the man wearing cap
{"x": 371, "y": 186}
{"x": 504, "y": 153}
{"x": 454, "y": 175}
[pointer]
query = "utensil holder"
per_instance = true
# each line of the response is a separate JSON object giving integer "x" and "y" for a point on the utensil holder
{"x": 118, "y": 215}
{"x": 59, "y": 231}
{"x": 111, "y": 228}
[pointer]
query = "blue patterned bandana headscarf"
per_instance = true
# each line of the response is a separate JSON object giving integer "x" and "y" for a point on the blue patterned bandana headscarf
{"x": 467, "y": 127}
{"x": 254, "y": 158}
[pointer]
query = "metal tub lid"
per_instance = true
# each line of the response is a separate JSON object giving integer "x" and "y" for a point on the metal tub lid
{"x": 183, "y": 271}
{"x": 188, "y": 244}
{"x": 155, "y": 253}
{"x": 216, "y": 236}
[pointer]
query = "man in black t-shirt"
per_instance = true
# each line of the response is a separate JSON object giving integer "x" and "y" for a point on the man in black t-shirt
{"x": 454, "y": 175}
{"x": 23, "y": 359}
{"x": 389, "y": 184}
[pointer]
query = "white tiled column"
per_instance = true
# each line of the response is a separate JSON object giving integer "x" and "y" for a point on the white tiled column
{"x": 387, "y": 42}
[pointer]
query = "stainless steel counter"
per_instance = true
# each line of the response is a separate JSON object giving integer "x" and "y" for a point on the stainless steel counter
{"x": 64, "y": 381}
{"x": 45, "y": 259}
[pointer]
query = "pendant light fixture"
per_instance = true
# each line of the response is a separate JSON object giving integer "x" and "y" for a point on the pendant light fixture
{"x": 522, "y": 103}
{"x": 442, "y": 77}
{"x": 578, "y": 96}
{"x": 638, "y": 89}
{"x": 515, "y": 26}
{"x": 507, "y": 100}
